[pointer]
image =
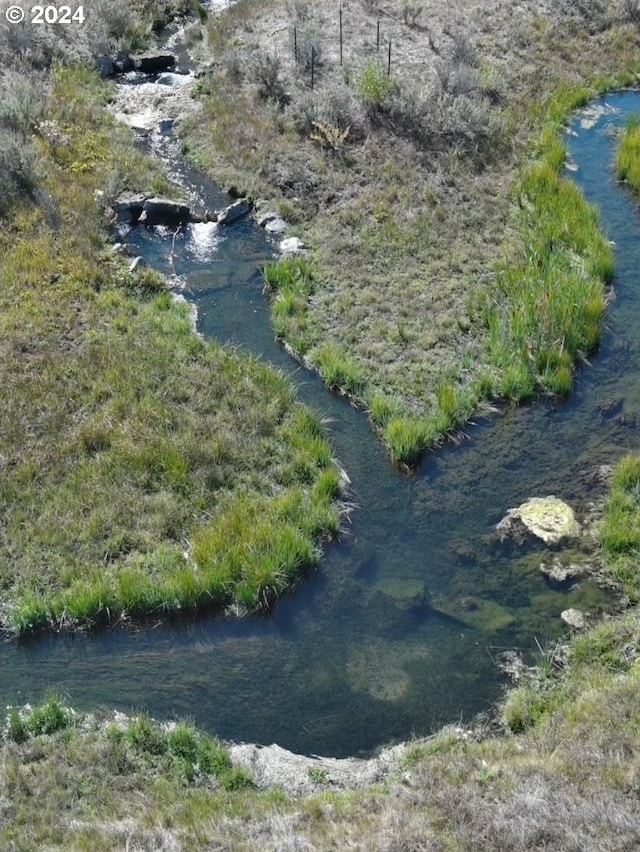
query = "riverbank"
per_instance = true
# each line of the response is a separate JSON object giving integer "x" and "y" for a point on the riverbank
{"x": 432, "y": 197}
{"x": 521, "y": 776}
{"x": 145, "y": 472}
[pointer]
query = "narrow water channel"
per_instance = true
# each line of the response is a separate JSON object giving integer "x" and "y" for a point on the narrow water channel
{"x": 355, "y": 659}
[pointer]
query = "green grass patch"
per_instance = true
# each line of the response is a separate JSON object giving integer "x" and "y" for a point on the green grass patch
{"x": 549, "y": 306}
{"x": 620, "y": 526}
{"x": 290, "y": 283}
{"x": 339, "y": 371}
{"x": 628, "y": 155}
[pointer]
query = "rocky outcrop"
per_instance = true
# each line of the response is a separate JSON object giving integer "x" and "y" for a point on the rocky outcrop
{"x": 559, "y": 572}
{"x": 547, "y": 518}
{"x": 128, "y": 209}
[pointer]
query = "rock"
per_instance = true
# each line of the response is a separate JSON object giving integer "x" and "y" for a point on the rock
{"x": 105, "y": 66}
{"x": 547, "y": 518}
{"x": 292, "y": 245}
{"x": 123, "y": 63}
{"x": 235, "y": 211}
{"x": 129, "y": 208}
{"x": 463, "y": 553}
{"x": 597, "y": 477}
{"x": 137, "y": 264}
{"x": 174, "y": 80}
{"x": 405, "y": 594}
{"x": 276, "y": 226}
{"x": 152, "y": 63}
{"x": 163, "y": 211}
{"x": 573, "y": 617}
{"x": 610, "y": 407}
{"x": 560, "y": 573}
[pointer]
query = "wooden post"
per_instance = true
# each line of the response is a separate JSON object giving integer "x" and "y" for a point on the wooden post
{"x": 378, "y": 37}
{"x": 313, "y": 62}
{"x": 340, "y": 35}
{"x": 389, "y": 61}
{"x": 295, "y": 43}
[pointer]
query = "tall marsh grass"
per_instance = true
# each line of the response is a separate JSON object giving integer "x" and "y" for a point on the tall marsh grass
{"x": 549, "y": 304}
{"x": 620, "y": 526}
{"x": 628, "y": 155}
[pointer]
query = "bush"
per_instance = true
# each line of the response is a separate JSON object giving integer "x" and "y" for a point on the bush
{"x": 375, "y": 87}
{"x": 19, "y": 170}
{"x": 271, "y": 87}
{"x": 21, "y": 102}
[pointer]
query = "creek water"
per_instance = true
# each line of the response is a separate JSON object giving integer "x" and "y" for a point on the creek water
{"x": 354, "y": 659}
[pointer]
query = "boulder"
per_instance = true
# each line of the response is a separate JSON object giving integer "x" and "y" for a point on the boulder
{"x": 574, "y": 618}
{"x": 128, "y": 209}
{"x": 153, "y": 63}
{"x": 164, "y": 211}
{"x": 238, "y": 210}
{"x": 547, "y": 518}
{"x": 276, "y": 226}
{"x": 292, "y": 245}
{"x": 123, "y": 63}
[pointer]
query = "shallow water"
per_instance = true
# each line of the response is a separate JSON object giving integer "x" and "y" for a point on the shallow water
{"x": 355, "y": 659}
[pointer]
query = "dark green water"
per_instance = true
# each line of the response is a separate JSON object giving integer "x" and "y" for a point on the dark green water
{"x": 347, "y": 663}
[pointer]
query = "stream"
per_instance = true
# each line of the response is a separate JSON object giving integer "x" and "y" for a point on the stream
{"x": 352, "y": 660}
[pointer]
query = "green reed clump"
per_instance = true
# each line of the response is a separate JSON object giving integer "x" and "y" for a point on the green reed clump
{"x": 291, "y": 283}
{"x": 628, "y": 155}
{"x": 46, "y": 718}
{"x": 254, "y": 550}
{"x": 620, "y": 526}
{"x": 338, "y": 370}
{"x": 179, "y": 750}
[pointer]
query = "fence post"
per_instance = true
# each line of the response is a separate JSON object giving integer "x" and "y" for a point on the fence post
{"x": 378, "y": 37}
{"x": 340, "y": 35}
{"x": 295, "y": 43}
{"x": 313, "y": 62}
{"x": 389, "y": 61}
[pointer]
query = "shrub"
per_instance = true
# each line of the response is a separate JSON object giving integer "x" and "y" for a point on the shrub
{"x": 375, "y": 87}
{"x": 20, "y": 170}
{"x": 48, "y": 718}
{"x": 271, "y": 86}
